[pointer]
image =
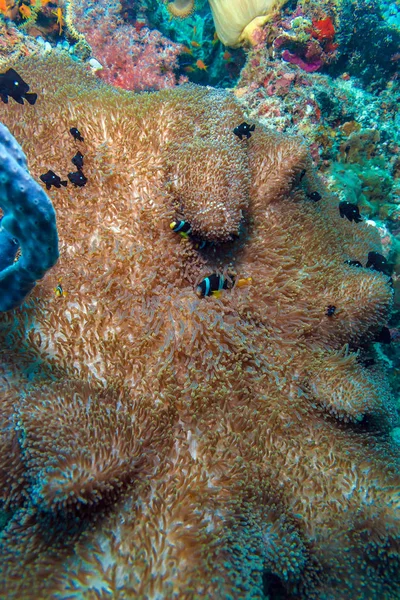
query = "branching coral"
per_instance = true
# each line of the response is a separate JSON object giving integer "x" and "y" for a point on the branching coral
{"x": 154, "y": 443}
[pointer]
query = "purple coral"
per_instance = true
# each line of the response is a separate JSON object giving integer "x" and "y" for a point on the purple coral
{"x": 309, "y": 67}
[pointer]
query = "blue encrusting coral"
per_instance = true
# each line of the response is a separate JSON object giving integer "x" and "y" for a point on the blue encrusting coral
{"x": 29, "y": 223}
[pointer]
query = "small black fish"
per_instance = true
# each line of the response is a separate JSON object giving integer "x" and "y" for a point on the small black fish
{"x": 12, "y": 84}
{"x": 182, "y": 227}
{"x": 353, "y": 263}
{"x": 212, "y": 285}
{"x": 50, "y": 178}
{"x": 77, "y": 178}
{"x": 330, "y": 310}
{"x": 76, "y": 134}
{"x": 244, "y": 129}
{"x": 350, "y": 211}
{"x": 367, "y": 362}
{"x": 77, "y": 160}
{"x": 377, "y": 262}
{"x": 315, "y": 196}
{"x": 383, "y": 336}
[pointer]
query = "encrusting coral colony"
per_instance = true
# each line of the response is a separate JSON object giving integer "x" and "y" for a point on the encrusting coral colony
{"x": 155, "y": 444}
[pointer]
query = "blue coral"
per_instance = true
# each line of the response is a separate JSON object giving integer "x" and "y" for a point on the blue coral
{"x": 29, "y": 222}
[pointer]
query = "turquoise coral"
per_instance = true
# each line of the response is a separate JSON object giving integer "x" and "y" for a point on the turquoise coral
{"x": 28, "y": 221}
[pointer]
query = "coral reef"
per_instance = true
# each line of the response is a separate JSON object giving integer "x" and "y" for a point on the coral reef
{"x": 157, "y": 444}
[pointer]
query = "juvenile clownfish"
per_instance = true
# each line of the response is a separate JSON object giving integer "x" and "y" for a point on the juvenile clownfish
{"x": 59, "y": 292}
{"x": 182, "y": 227}
{"x": 212, "y": 286}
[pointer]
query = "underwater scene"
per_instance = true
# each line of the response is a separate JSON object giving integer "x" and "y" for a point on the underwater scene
{"x": 199, "y": 300}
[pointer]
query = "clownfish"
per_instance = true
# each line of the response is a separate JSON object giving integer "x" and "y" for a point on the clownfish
{"x": 182, "y": 227}
{"x": 200, "y": 244}
{"x": 59, "y": 292}
{"x": 212, "y": 286}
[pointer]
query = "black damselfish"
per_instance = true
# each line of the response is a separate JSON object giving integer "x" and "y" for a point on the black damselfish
{"x": 383, "y": 336}
{"x": 212, "y": 285}
{"x": 76, "y": 134}
{"x": 50, "y": 178}
{"x": 315, "y": 196}
{"x": 77, "y": 160}
{"x": 77, "y": 178}
{"x": 244, "y": 129}
{"x": 12, "y": 84}
{"x": 350, "y": 211}
{"x": 377, "y": 262}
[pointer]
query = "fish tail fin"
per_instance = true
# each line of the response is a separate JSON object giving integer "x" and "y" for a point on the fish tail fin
{"x": 64, "y": 183}
{"x": 31, "y": 98}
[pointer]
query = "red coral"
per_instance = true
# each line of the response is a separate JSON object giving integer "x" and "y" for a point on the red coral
{"x": 324, "y": 29}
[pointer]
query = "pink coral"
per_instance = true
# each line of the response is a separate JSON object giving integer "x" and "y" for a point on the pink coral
{"x": 133, "y": 58}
